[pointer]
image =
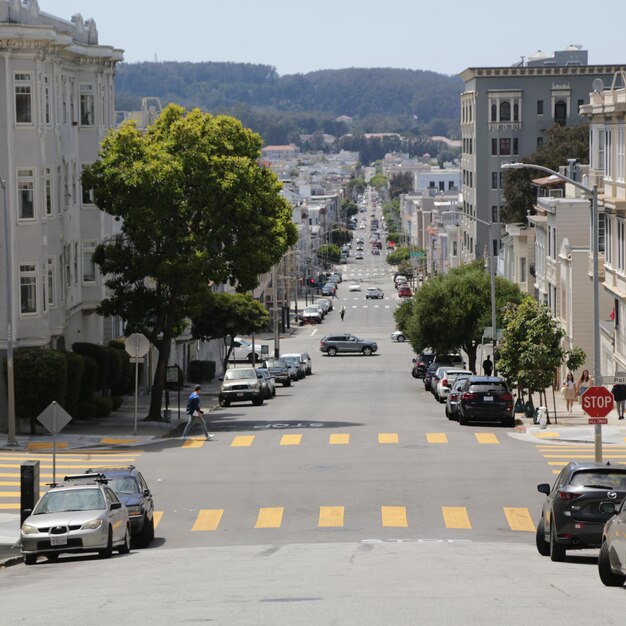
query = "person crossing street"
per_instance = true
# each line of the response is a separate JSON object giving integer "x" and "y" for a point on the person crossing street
{"x": 195, "y": 413}
{"x": 342, "y": 312}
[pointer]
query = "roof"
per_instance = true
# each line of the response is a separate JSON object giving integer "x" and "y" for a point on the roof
{"x": 548, "y": 181}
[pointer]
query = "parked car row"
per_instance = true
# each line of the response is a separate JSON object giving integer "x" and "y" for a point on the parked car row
{"x": 257, "y": 384}
{"x": 105, "y": 509}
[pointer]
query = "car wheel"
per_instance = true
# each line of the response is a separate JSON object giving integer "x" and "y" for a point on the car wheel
{"x": 400, "y": 338}
{"x": 147, "y": 534}
{"x": 287, "y": 384}
{"x": 367, "y": 351}
{"x": 607, "y": 577}
{"x": 543, "y": 546}
{"x": 53, "y": 557}
{"x": 448, "y": 413}
{"x": 125, "y": 547}
{"x": 557, "y": 551}
{"x": 30, "y": 559}
{"x": 274, "y": 392}
{"x": 510, "y": 421}
{"x": 462, "y": 419}
{"x": 250, "y": 357}
{"x": 224, "y": 402}
{"x": 108, "y": 551}
{"x": 257, "y": 401}
{"x": 332, "y": 351}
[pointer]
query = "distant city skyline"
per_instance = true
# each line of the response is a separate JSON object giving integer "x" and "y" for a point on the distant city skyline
{"x": 295, "y": 38}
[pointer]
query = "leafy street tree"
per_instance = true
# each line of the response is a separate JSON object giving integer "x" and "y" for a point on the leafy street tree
{"x": 561, "y": 143}
{"x": 451, "y": 311}
{"x": 400, "y": 254}
{"x": 196, "y": 207}
{"x": 340, "y": 235}
{"x": 329, "y": 253}
{"x": 223, "y": 314}
{"x": 401, "y": 183}
{"x": 575, "y": 358}
{"x": 530, "y": 349}
{"x": 379, "y": 182}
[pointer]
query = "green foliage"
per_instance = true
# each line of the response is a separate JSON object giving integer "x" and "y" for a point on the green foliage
{"x": 196, "y": 207}
{"x": 340, "y": 235}
{"x": 101, "y": 356}
{"x": 530, "y": 349}
{"x": 201, "y": 371}
{"x": 401, "y": 183}
{"x": 405, "y": 268}
{"x": 379, "y": 182}
{"x": 561, "y": 143}
{"x": 402, "y": 315}
{"x": 401, "y": 253}
{"x": 90, "y": 380}
{"x": 84, "y": 410}
{"x": 117, "y": 402}
{"x": 575, "y": 358}
{"x": 116, "y": 368}
{"x": 104, "y": 406}
{"x": 75, "y": 367}
{"x": 126, "y": 383}
{"x": 329, "y": 253}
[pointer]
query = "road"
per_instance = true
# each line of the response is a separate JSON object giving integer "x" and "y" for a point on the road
{"x": 347, "y": 499}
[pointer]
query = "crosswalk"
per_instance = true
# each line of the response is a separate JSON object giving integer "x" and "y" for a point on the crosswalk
{"x": 557, "y": 456}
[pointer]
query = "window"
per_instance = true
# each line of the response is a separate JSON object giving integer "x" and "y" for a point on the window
{"x": 50, "y": 281}
{"x": 620, "y": 166}
{"x": 601, "y": 231}
{"x": 539, "y": 107}
{"x": 494, "y": 180}
{"x": 28, "y": 289}
{"x": 23, "y": 99}
{"x": 601, "y": 148}
{"x": 580, "y": 103}
{"x": 494, "y": 147}
{"x": 48, "y": 192}
{"x": 608, "y": 155}
{"x": 75, "y": 259}
{"x": 25, "y": 195}
{"x": 620, "y": 245}
{"x": 494, "y": 213}
{"x": 608, "y": 248}
{"x": 494, "y": 113}
{"x": 87, "y": 192}
{"x": 87, "y": 105}
{"x": 505, "y": 111}
{"x": 89, "y": 267}
{"x": 560, "y": 112}
{"x": 505, "y": 147}
{"x": 539, "y": 142}
{"x": 515, "y": 145}
{"x": 522, "y": 270}
{"x": 516, "y": 112}
{"x": 46, "y": 101}
{"x": 67, "y": 264}
{"x": 616, "y": 312}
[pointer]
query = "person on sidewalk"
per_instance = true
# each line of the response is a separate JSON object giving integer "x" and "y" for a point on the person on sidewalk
{"x": 619, "y": 393}
{"x": 488, "y": 366}
{"x": 342, "y": 312}
{"x": 568, "y": 389}
{"x": 195, "y": 413}
{"x": 584, "y": 382}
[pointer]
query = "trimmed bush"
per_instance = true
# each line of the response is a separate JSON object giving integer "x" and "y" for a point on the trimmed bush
{"x": 75, "y": 369}
{"x": 104, "y": 406}
{"x": 116, "y": 369}
{"x": 126, "y": 383}
{"x": 101, "y": 356}
{"x": 201, "y": 371}
{"x": 88, "y": 385}
{"x": 117, "y": 402}
{"x": 84, "y": 410}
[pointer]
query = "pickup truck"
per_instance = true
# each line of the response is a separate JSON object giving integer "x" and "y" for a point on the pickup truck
{"x": 242, "y": 350}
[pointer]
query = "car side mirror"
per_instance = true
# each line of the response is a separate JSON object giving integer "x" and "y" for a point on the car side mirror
{"x": 608, "y": 507}
{"x": 146, "y": 492}
{"x": 221, "y": 378}
{"x": 544, "y": 488}
{"x": 116, "y": 505}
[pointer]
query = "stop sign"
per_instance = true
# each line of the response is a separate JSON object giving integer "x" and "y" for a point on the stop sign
{"x": 597, "y": 401}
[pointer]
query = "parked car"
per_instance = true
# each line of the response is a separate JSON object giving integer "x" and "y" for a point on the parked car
{"x": 131, "y": 488}
{"x": 452, "y": 402}
{"x": 296, "y": 361}
{"x": 486, "y": 398}
{"x": 358, "y": 256}
{"x": 280, "y": 371}
{"x": 612, "y": 557}
{"x": 308, "y": 362}
{"x": 242, "y": 350}
{"x": 312, "y": 313}
{"x": 438, "y": 374}
{"x": 437, "y": 360}
{"x": 445, "y": 382}
{"x": 347, "y": 343}
{"x": 428, "y": 374}
{"x": 240, "y": 384}
{"x": 398, "y": 335}
{"x": 267, "y": 382}
{"x": 354, "y": 287}
{"x": 375, "y": 251}
{"x": 329, "y": 289}
{"x": 573, "y": 515}
{"x": 404, "y": 291}
{"x": 421, "y": 363}
{"x": 374, "y": 292}
{"x": 81, "y": 514}
{"x": 325, "y": 303}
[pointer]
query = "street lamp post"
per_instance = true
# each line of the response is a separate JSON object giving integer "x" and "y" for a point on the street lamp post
{"x": 11, "y": 441}
{"x": 593, "y": 191}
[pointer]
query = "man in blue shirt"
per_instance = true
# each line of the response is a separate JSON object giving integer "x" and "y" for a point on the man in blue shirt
{"x": 195, "y": 412}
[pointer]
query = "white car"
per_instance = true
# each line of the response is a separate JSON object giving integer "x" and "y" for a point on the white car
{"x": 242, "y": 350}
{"x": 398, "y": 335}
{"x": 354, "y": 287}
{"x": 445, "y": 382}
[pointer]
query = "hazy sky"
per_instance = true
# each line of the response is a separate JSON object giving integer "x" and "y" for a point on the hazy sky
{"x": 300, "y": 36}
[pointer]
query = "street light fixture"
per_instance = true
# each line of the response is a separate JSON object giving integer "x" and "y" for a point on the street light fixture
{"x": 593, "y": 191}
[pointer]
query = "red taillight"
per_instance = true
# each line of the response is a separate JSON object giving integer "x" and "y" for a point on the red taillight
{"x": 568, "y": 495}
{"x": 454, "y": 396}
{"x": 507, "y": 397}
{"x": 444, "y": 382}
{"x": 468, "y": 395}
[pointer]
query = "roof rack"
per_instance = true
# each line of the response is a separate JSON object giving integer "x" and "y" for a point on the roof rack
{"x": 113, "y": 469}
{"x": 98, "y": 478}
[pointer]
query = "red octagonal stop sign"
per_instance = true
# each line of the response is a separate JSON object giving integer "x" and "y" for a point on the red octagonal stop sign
{"x": 597, "y": 401}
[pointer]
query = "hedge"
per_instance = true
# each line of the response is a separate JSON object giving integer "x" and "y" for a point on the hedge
{"x": 89, "y": 382}
{"x": 201, "y": 371}
{"x": 75, "y": 369}
{"x": 101, "y": 356}
{"x": 104, "y": 406}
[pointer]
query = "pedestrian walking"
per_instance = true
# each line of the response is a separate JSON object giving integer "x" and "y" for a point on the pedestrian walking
{"x": 488, "y": 366}
{"x": 342, "y": 312}
{"x": 568, "y": 389}
{"x": 584, "y": 382}
{"x": 619, "y": 393}
{"x": 195, "y": 413}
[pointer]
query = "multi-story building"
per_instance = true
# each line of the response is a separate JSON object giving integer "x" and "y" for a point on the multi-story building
{"x": 505, "y": 112}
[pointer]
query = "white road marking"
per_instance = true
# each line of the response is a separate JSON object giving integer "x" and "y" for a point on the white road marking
{"x": 313, "y": 332}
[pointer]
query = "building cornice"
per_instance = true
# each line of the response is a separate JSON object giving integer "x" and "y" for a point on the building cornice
{"x": 541, "y": 70}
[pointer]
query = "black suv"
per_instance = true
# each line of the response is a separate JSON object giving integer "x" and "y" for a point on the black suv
{"x": 131, "y": 488}
{"x": 421, "y": 363}
{"x": 485, "y": 398}
{"x": 573, "y": 514}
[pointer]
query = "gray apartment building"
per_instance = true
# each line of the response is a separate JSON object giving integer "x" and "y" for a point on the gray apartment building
{"x": 505, "y": 112}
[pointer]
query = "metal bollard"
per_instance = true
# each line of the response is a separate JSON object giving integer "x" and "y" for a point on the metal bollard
{"x": 29, "y": 487}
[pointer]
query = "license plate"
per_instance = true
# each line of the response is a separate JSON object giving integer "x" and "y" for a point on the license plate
{"x": 240, "y": 393}
{"x": 488, "y": 398}
{"x": 58, "y": 540}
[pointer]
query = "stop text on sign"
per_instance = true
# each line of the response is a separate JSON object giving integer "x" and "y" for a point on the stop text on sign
{"x": 597, "y": 402}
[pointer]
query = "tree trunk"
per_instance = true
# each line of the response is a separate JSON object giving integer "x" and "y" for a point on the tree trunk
{"x": 470, "y": 350}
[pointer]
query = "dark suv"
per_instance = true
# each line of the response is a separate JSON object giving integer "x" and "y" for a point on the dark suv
{"x": 573, "y": 514}
{"x": 131, "y": 488}
{"x": 346, "y": 343}
{"x": 421, "y": 363}
{"x": 485, "y": 398}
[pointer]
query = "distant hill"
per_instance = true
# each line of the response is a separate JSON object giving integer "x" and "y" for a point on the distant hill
{"x": 412, "y": 102}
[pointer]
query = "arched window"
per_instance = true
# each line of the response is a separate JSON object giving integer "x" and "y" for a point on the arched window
{"x": 560, "y": 112}
{"x": 516, "y": 112}
{"x": 494, "y": 113}
{"x": 505, "y": 111}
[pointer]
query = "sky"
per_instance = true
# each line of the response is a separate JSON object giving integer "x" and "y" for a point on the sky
{"x": 299, "y": 36}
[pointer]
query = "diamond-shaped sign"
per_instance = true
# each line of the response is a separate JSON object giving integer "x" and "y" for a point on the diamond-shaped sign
{"x": 54, "y": 418}
{"x": 137, "y": 345}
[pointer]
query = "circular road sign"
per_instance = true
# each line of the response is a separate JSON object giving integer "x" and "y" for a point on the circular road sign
{"x": 597, "y": 401}
{"x": 137, "y": 345}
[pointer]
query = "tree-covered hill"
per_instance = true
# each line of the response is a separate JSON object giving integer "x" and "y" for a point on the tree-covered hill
{"x": 378, "y": 99}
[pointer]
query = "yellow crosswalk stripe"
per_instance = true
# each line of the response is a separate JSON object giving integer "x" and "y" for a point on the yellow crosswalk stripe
{"x": 48, "y": 465}
{"x": 394, "y": 516}
{"x": 69, "y": 458}
{"x": 436, "y": 438}
{"x": 488, "y": 438}
{"x": 561, "y": 463}
{"x": 44, "y": 445}
{"x": 116, "y": 442}
{"x": 545, "y": 435}
{"x": 208, "y": 519}
{"x": 455, "y": 517}
{"x": 271, "y": 517}
{"x": 290, "y": 440}
{"x": 388, "y": 438}
{"x": 339, "y": 439}
{"x": 158, "y": 516}
{"x": 519, "y": 519}
{"x": 330, "y": 516}
{"x": 9, "y": 506}
{"x": 194, "y": 443}
{"x": 9, "y": 483}
{"x": 242, "y": 441}
{"x": 584, "y": 456}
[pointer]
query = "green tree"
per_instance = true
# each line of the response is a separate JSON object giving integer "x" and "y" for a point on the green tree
{"x": 530, "y": 349}
{"x": 329, "y": 253}
{"x": 379, "y": 182}
{"x": 231, "y": 314}
{"x": 575, "y": 358}
{"x": 401, "y": 183}
{"x": 340, "y": 235}
{"x": 400, "y": 254}
{"x": 196, "y": 207}
{"x": 451, "y": 311}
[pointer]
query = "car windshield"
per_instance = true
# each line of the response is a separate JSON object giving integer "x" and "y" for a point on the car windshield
{"x": 70, "y": 500}
{"x": 488, "y": 388}
{"x": 243, "y": 342}
{"x": 123, "y": 484}
{"x": 239, "y": 374}
{"x": 599, "y": 480}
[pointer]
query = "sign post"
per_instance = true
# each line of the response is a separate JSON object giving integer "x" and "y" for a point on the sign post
{"x": 137, "y": 345}
{"x": 597, "y": 402}
{"x": 54, "y": 418}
